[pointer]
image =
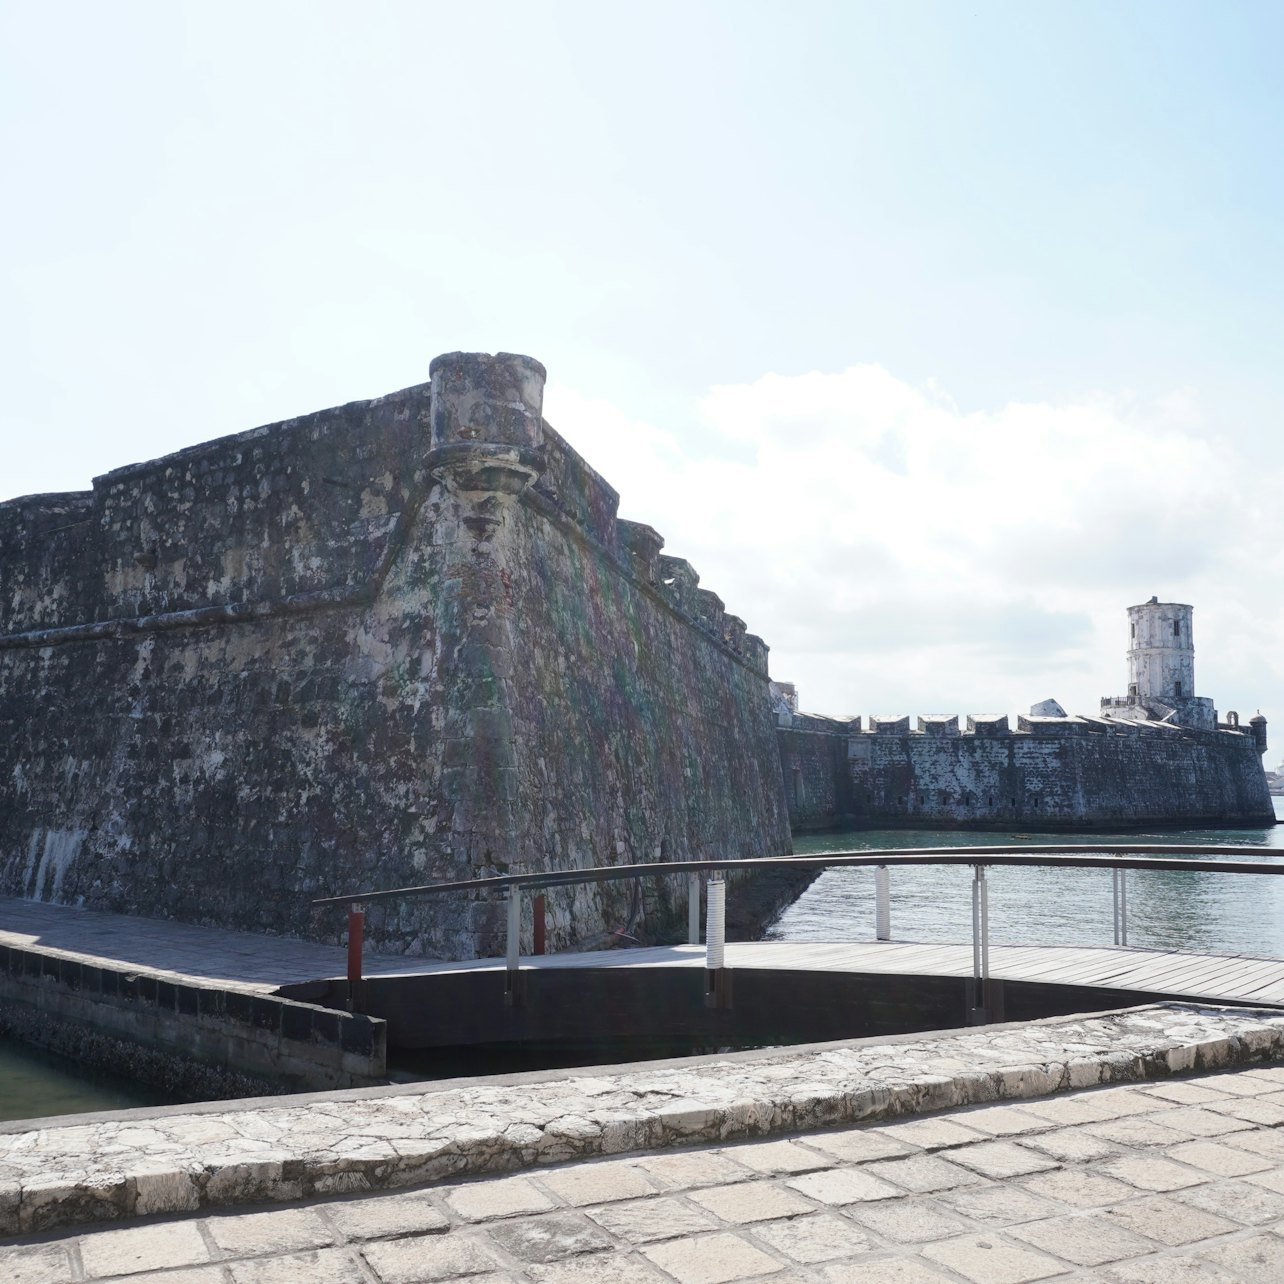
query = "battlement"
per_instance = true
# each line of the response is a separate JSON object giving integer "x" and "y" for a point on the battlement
{"x": 313, "y": 510}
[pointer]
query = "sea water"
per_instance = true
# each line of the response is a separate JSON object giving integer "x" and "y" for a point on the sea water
{"x": 1208, "y": 913}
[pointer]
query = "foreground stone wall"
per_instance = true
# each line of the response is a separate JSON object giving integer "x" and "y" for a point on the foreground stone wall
{"x": 1048, "y": 773}
{"x": 397, "y": 642}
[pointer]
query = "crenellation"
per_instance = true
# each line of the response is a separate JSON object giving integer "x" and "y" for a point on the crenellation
{"x": 889, "y": 724}
{"x": 934, "y": 724}
{"x": 643, "y": 543}
{"x": 988, "y": 724}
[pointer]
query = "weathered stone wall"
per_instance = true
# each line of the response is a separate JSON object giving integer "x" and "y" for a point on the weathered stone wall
{"x": 192, "y": 1040}
{"x": 814, "y": 763}
{"x": 392, "y": 643}
{"x": 1049, "y": 773}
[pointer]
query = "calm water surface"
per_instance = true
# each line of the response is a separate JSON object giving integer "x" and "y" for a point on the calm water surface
{"x": 1212, "y": 913}
{"x": 35, "y": 1083}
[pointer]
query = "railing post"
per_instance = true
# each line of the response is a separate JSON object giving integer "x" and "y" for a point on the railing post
{"x": 693, "y": 909}
{"x": 717, "y": 976}
{"x": 356, "y": 940}
{"x": 1123, "y": 907}
{"x": 512, "y": 976}
{"x": 538, "y": 906}
{"x": 979, "y": 1013}
{"x": 882, "y": 903}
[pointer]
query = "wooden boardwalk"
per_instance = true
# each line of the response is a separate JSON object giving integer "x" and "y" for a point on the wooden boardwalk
{"x": 184, "y": 951}
{"x": 1236, "y": 978}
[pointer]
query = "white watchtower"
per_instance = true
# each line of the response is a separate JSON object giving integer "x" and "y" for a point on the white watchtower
{"x": 1161, "y": 653}
{"x": 1161, "y": 668}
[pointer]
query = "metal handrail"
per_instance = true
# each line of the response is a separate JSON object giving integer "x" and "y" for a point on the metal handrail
{"x": 1075, "y": 856}
{"x": 1119, "y": 858}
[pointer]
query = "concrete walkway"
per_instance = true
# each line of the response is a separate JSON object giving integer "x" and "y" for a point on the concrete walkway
{"x": 1174, "y": 1181}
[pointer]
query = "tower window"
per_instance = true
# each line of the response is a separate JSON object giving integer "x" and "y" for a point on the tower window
{"x": 1176, "y": 628}
{"x": 1179, "y": 691}
{"x": 1134, "y": 632}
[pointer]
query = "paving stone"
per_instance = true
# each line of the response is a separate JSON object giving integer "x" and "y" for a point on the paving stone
{"x": 1236, "y": 1083}
{"x": 322, "y": 1266}
{"x": 1080, "y": 1109}
{"x": 998, "y": 1204}
{"x": 1127, "y": 1101}
{"x": 280, "y": 1231}
{"x": 1221, "y": 1161}
{"x": 598, "y": 1268}
{"x": 1269, "y": 1074}
{"x": 644, "y": 1220}
{"x": 1204, "y": 1123}
{"x": 1167, "y": 1270}
{"x": 1240, "y": 1201}
{"x": 987, "y": 1259}
{"x": 1273, "y": 1180}
{"x": 1137, "y": 1131}
{"x": 901, "y": 1272}
{"x": 931, "y": 1134}
{"x": 1072, "y": 1145}
{"x": 1259, "y": 1258}
{"x": 818, "y": 1237}
{"x": 711, "y": 1259}
{"x": 859, "y": 1145}
{"x": 597, "y": 1183}
{"x": 502, "y": 1197}
{"x": 1184, "y": 1094}
{"x": 779, "y": 1157}
{"x": 1264, "y": 1141}
{"x": 1078, "y": 1188}
{"x": 1168, "y": 1221}
{"x": 432, "y": 1258}
{"x": 545, "y": 1239}
{"x": 1002, "y": 1121}
{"x": 1001, "y": 1159}
{"x": 1251, "y": 1109}
{"x": 387, "y": 1216}
{"x": 750, "y": 1201}
{"x": 132, "y": 1249}
{"x": 1151, "y": 1172}
{"x": 923, "y": 1174}
{"x": 1088, "y": 1239}
{"x": 35, "y": 1264}
{"x": 843, "y": 1186}
{"x": 906, "y": 1221}
{"x": 187, "y": 1275}
{"x": 687, "y": 1169}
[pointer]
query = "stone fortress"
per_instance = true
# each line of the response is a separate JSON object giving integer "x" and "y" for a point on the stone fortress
{"x": 1157, "y": 756}
{"x": 408, "y": 640}
{"x": 402, "y": 641}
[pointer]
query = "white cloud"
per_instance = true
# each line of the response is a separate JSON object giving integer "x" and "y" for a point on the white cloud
{"x": 898, "y": 553}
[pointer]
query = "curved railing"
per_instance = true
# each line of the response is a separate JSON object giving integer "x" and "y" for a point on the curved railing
{"x": 1120, "y": 858}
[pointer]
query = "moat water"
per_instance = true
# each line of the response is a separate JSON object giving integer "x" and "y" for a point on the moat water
{"x": 1209, "y": 913}
{"x": 1204, "y": 912}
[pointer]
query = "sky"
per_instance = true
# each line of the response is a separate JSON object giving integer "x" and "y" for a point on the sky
{"x": 933, "y": 334}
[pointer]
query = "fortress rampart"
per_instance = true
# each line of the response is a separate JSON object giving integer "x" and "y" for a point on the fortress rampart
{"x": 400, "y": 641}
{"x": 1045, "y": 773}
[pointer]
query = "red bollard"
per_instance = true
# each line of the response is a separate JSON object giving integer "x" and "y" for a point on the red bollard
{"x": 356, "y": 929}
{"x": 538, "y": 909}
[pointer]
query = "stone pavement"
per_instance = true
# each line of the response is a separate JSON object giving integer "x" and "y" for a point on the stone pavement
{"x": 1163, "y": 1181}
{"x": 61, "y": 1172}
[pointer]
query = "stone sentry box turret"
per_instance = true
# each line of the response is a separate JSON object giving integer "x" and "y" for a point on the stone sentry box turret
{"x": 397, "y": 642}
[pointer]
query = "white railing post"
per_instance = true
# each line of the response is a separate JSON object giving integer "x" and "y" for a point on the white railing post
{"x": 717, "y": 987}
{"x": 882, "y": 903}
{"x": 693, "y": 909}
{"x": 514, "y": 943}
{"x": 980, "y": 944}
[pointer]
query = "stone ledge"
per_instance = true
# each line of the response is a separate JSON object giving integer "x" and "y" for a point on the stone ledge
{"x": 59, "y": 1172}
